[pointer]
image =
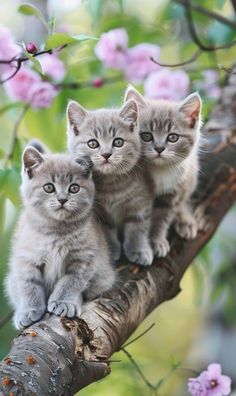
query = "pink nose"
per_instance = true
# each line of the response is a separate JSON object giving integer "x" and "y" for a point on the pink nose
{"x": 106, "y": 155}
{"x": 160, "y": 149}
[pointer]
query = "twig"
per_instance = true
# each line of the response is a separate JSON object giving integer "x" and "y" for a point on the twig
{"x": 139, "y": 336}
{"x": 5, "y": 319}
{"x": 210, "y": 14}
{"x": 194, "y": 35}
{"x": 195, "y": 56}
{"x": 138, "y": 369}
{"x": 15, "y": 130}
{"x": 89, "y": 83}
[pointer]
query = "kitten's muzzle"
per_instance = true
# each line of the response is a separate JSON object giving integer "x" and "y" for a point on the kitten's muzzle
{"x": 62, "y": 201}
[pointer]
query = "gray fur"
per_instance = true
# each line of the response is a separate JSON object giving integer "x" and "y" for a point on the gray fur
{"x": 174, "y": 171}
{"x": 123, "y": 193}
{"x": 58, "y": 254}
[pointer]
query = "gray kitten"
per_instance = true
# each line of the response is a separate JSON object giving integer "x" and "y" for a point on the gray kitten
{"x": 170, "y": 135}
{"x": 59, "y": 250}
{"x": 123, "y": 195}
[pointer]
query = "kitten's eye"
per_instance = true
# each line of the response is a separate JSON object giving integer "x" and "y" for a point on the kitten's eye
{"x": 93, "y": 143}
{"x": 147, "y": 136}
{"x": 74, "y": 188}
{"x": 172, "y": 137}
{"x": 49, "y": 188}
{"x": 118, "y": 142}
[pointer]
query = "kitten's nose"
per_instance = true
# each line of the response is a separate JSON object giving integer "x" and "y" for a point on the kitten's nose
{"x": 159, "y": 149}
{"x": 106, "y": 155}
{"x": 62, "y": 200}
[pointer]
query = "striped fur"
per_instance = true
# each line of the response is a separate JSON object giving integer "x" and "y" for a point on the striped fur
{"x": 174, "y": 171}
{"x": 59, "y": 254}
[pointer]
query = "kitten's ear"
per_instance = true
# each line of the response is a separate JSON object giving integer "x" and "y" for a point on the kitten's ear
{"x": 129, "y": 113}
{"x": 86, "y": 165}
{"x": 191, "y": 109}
{"x": 31, "y": 158}
{"x": 76, "y": 114}
{"x": 132, "y": 93}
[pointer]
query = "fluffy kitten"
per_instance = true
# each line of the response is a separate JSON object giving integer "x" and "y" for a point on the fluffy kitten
{"x": 59, "y": 250}
{"x": 123, "y": 195}
{"x": 170, "y": 134}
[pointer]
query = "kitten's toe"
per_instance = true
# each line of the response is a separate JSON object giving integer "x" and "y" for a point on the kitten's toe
{"x": 143, "y": 256}
{"x": 161, "y": 247}
{"x": 187, "y": 229}
{"x": 25, "y": 318}
{"x": 202, "y": 219}
{"x": 64, "y": 308}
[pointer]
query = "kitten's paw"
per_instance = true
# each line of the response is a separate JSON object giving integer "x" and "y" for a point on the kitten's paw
{"x": 187, "y": 229}
{"x": 116, "y": 251}
{"x": 202, "y": 219}
{"x": 142, "y": 256}
{"x": 161, "y": 247}
{"x": 25, "y": 317}
{"x": 64, "y": 308}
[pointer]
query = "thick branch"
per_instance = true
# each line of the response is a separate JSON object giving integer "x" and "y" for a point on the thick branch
{"x": 60, "y": 356}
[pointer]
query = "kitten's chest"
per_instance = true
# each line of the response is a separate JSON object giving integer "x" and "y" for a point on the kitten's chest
{"x": 166, "y": 180}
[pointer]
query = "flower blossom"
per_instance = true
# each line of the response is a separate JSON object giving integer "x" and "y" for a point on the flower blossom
{"x": 111, "y": 48}
{"x": 167, "y": 84}
{"x": 210, "y": 382}
{"x": 139, "y": 65}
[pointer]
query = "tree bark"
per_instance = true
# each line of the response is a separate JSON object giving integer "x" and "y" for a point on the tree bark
{"x": 58, "y": 356}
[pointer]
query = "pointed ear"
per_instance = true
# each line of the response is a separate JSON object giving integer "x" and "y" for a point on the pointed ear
{"x": 132, "y": 93}
{"x": 86, "y": 165}
{"x": 129, "y": 113}
{"x": 191, "y": 109}
{"x": 31, "y": 158}
{"x": 75, "y": 116}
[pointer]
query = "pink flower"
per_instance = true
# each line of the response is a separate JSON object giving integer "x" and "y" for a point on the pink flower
{"x": 167, "y": 84}
{"x": 52, "y": 66}
{"x": 139, "y": 65}
{"x": 210, "y": 382}
{"x": 17, "y": 88}
{"x": 209, "y": 84}
{"x": 41, "y": 94}
{"x": 111, "y": 48}
{"x": 8, "y": 50}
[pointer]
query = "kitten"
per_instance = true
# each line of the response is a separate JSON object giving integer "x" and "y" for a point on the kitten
{"x": 123, "y": 195}
{"x": 59, "y": 250}
{"x": 170, "y": 135}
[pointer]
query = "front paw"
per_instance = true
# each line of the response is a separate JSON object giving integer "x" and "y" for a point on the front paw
{"x": 64, "y": 308}
{"x": 161, "y": 247}
{"x": 187, "y": 229}
{"x": 25, "y": 317}
{"x": 138, "y": 255}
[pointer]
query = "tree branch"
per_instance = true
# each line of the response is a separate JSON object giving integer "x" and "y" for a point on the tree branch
{"x": 210, "y": 14}
{"x": 58, "y": 356}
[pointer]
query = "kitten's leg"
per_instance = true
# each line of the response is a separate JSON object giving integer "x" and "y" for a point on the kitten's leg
{"x": 137, "y": 246}
{"x": 102, "y": 282}
{"x": 163, "y": 214}
{"x": 66, "y": 298}
{"x": 113, "y": 242}
{"x": 185, "y": 223}
{"x": 26, "y": 292}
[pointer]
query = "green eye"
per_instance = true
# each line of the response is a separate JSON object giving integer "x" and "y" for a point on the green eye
{"x": 147, "y": 136}
{"x": 49, "y": 188}
{"x": 172, "y": 137}
{"x": 118, "y": 142}
{"x": 74, "y": 188}
{"x": 93, "y": 143}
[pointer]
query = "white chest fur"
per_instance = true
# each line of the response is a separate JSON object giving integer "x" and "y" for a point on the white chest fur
{"x": 166, "y": 179}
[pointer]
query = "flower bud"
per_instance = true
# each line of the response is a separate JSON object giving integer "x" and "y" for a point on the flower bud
{"x": 97, "y": 82}
{"x": 31, "y": 48}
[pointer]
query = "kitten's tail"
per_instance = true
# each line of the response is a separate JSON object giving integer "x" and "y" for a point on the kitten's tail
{"x": 38, "y": 145}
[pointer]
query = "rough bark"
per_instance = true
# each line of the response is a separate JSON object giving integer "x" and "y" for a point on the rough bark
{"x": 59, "y": 356}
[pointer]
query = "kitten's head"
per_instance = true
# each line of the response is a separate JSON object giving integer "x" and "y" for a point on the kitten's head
{"x": 109, "y": 137}
{"x": 57, "y": 186}
{"x": 169, "y": 131}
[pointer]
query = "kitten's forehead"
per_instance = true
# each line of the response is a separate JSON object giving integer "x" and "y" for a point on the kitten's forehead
{"x": 103, "y": 122}
{"x": 159, "y": 115}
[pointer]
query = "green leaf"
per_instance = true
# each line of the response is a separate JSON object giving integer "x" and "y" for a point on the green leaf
{"x": 10, "y": 106}
{"x": 35, "y": 62}
{"x": 59, "y": 39}
{"x": 2, "y": 211}
{"x": 220, "y": 4}
{"x": 17, "y": 152}
{"x": 10, "y": 183}
{"x": 30, "y": 10}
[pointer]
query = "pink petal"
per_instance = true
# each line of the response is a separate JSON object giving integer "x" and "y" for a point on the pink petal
{"x": 225, "y": 383}
{"x": 214, "y": 371}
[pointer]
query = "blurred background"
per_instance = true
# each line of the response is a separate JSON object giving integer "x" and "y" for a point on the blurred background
{"x": 199, "y": 326}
